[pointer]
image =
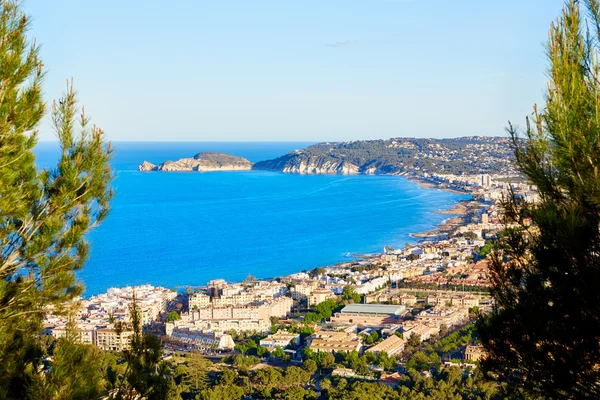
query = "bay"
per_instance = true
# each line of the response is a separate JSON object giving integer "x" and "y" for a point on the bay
{"x": 179, "y": 229}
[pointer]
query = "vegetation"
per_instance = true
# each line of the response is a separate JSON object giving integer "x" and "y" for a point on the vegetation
{"x": 353, "y": 360}
{"x": 544, "y": 337}
{"x": 321, "y": 311}
{"x": 316, "y": 272}
{"x": 426, "y": 357}
{"x": 44, "y": 216}
{"x": 455, "y": 340}
{"x": 470, "y": 235}
{"x": 406, "y": 155}
{"x": 435, "y": 286}
{"x": 195, "y": 373}
{"x": 486, "y": 249}
{"x": 422, "y": 361}
{"x": 303, "y": 330}
{"x": 143, "y": 373}
{"x": 371, "y": 338}
{"x": 448, "y": 384}
{"x": 173, "y": 316}
{"x": 349, "y": 294}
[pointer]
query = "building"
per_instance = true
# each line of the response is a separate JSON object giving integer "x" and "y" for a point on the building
{"x": 485, "y": 219}
{"x": 113, "y": 339}
{"x": 204, "y": 341}
{"x": 408, "y": 300}
{"x": 442, "y": 315}
{"x": 393, "y": 345}
{"x": 219, "y": 294}
{"x": 369, "y": 314}
{"x": 320, "y": 295}
{"x": 387, "y": 257}
{"x": 474, "y": 353}
{"x": 391, "y": 380}
{"x": 252, "y": 311}
{"x": 198, "y": 300}
{"x": 83, "y": 334}
{"x": 470, "y": 301}
{"x": 301, "y": 291}
{"x": 332, "y": 342}
{"x": 343, "y": 372}
{"x": 467, "y": 300}
{"x": 486, "y": 181}
{"x": 280, "y": 339}
{"x": 215, "y": 287}
{"x": 424, "y": 331}
{"x": 97, "y": 316}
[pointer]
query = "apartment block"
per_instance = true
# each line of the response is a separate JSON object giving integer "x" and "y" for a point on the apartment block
{"x": 332, "y": 342}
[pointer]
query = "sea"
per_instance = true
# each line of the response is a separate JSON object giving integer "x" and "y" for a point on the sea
{"x": 182, "y": 229}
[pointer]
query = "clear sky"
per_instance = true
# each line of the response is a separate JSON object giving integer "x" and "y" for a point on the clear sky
{"x": 296, "y": 69}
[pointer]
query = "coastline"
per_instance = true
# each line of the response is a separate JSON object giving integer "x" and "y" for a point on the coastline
{"x": 458, "y": 212}
{"x": 453, "y": 213}
{"x": 431, "y": 185}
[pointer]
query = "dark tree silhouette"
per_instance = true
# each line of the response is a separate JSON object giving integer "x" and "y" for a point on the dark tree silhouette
{"x": 544, "y": 336}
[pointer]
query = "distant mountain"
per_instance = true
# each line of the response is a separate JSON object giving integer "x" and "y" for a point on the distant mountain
{"x": 201, "y": 162}
{"x": 469, "y": 155}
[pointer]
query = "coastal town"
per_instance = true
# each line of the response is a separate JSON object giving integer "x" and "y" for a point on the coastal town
{"x": 376, "y": 200}
{"x": 390, "y": 305}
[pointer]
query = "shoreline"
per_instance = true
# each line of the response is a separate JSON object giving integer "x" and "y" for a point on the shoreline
{"x": 457, "y": 211}
{"x": 460, "y": 210}
{"x": 431, "y": 185}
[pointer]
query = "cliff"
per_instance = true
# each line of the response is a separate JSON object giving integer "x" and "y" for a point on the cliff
{"x": 202, "y": 162}
{"x": 301, "y": 162}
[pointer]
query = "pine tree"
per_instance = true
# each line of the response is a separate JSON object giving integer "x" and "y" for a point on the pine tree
{"x": 145, "y": 375}
{"x": 74, "y": 371}
{"x": 544, "y": 337}
{"x": 44, "y": 215}
{"x": 196, "y": 372}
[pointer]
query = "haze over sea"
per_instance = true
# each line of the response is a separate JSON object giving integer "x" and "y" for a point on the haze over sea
{"x": 178, "y": 229}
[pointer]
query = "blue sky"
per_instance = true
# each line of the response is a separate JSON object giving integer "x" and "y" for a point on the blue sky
{"x": 296, "y": 69}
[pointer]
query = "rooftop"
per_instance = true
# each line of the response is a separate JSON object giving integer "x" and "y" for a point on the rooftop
{"x": 283, "y": 335}
{"x": 390, "y": 343}
{"x": 374, "y": 309}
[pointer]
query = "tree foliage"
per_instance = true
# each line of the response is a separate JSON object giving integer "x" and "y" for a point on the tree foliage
{"x": 450, "y": 384}
{"x": 422, "y": 361}
{"x": 76, "y": 371}
{"x": 323, "y": 310}
{"x": 196, "y": 376}
{"x": 349, "y": 294}
{"x": 145, "y": 375}
{"x": 44, "y": 215}
{"x": 544, "y": 337}
{"x": 173, "y": 316}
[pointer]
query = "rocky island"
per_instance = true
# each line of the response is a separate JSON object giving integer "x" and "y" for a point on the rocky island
{"x": 202, "y": 162}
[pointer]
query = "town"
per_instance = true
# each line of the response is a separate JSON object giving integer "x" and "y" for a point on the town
{"x": 376, "y": 316}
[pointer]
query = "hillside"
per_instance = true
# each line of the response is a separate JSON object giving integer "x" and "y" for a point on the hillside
{"x": 469, "y": 155}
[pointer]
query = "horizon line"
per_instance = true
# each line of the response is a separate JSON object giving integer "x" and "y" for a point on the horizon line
{"x": 286, "y": 141}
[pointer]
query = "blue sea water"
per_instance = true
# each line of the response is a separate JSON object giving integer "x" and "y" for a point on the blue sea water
{"x": 178, "y": 229}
